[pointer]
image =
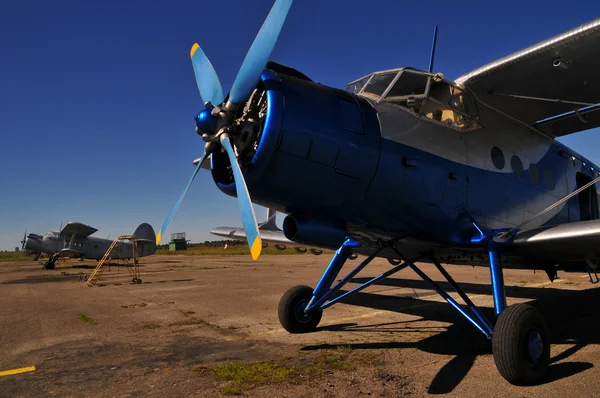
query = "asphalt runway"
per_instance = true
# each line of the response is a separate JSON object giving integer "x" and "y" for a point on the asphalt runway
{"x": 173, "y": 334}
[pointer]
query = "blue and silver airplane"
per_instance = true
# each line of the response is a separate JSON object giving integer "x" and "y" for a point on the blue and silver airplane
{"x": 409, "y": 165}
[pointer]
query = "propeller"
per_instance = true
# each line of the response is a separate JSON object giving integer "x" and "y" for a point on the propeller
{"x": 24, "y": 240}
{"x": 165, "y": 225}
{"x": 215, "y": 123}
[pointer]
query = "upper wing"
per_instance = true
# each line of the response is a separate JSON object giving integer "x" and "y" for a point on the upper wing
{"x": 564, "y": 68}
{"x": 79, "y": 229}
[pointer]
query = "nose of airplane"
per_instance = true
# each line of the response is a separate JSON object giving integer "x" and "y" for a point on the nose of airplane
{"x": 32, "y": 244}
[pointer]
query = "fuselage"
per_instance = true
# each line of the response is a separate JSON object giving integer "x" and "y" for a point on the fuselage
{"x": 85, "y": 247}
{"x": 402, "y": 169}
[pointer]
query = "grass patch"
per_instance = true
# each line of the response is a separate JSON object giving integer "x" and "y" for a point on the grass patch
{"x": 231, "y": 390}
{"x": 87, "y": 319}
{"x": 150, "y": 326}
{"x": 14, "y": 256}
{"x": 257, "y": 373}
{"x": 238, "y": 376}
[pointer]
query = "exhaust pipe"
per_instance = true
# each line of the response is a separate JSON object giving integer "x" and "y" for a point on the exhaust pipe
{"x": 314, "y": 232}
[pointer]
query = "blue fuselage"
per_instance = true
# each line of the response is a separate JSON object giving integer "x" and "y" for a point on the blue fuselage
{"x": 385, "y": 172}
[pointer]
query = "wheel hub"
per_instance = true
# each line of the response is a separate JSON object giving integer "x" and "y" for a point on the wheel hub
{"x": 302, "y": 316}
{"x": 535, "y": 346}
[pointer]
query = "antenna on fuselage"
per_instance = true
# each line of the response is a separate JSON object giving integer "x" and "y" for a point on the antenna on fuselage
{"x": 433, "y": 43}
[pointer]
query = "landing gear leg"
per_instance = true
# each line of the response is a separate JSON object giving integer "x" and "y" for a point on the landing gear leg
{"x": 50, "y": 264}
{"x": 300, "y": 307}
{"x": 521, "y": 340}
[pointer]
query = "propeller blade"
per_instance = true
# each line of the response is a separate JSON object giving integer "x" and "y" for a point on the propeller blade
{"x": 206, "y": 77}
{"x": 24, "y": 240}
{"x": 246, "y": 209}
{"x": 259, "y": 53}
{"x": 164, "y": 227}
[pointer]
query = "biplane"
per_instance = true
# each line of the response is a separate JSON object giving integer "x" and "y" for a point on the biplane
{"x": 75, "y": 241}
{"x": 409, "y": 165}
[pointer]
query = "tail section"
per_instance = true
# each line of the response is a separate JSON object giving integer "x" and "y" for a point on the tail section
{"x": 146, "y": 238}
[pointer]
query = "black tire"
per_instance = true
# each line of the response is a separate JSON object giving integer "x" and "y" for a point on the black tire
{"x": 49, "y": 265}
{"x": 521, "y": 345}
{"x": 291, "y": 311}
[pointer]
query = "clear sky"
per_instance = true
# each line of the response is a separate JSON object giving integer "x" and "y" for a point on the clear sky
{"x": 97, "y": 98}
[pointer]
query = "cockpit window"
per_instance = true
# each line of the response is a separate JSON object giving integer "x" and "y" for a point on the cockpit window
{"x": 409, "y": 84}
{"x": 355, "y": 87}
{"x": 449, "y": 105}
{"x": 429, "y": 95}
{"x": 52, "y": 235}
{"x": 379, "y": 83}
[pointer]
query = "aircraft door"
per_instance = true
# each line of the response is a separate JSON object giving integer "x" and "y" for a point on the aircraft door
{"x": 588, "y": 198}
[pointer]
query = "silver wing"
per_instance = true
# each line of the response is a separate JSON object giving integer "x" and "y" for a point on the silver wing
{"x": 553, "y": 85}
{"x": 269, "y": 233}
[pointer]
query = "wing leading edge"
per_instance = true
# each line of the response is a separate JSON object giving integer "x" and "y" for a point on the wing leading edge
{"x": 553, "y": 85}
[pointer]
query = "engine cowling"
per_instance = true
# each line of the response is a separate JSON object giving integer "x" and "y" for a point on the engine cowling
{"x": 307, "y": 148}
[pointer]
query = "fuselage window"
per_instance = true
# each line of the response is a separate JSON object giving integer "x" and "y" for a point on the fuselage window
{"x": 534, "y": 173}
{"x": 498, "y": 158}
{"x": 517, "y": 166}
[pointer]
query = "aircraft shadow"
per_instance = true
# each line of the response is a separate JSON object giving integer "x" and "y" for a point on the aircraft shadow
{"x": 571, "y": 315}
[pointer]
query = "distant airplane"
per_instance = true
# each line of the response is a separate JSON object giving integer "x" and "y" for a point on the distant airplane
{"x": 74, "y": 241}
{"x": 408, "y": 165}
{"x": 270, "y": 233}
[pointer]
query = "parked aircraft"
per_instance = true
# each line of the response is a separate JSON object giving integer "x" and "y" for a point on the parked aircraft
{"x": 409, "y": 165}
{"x": 74, "y": 241}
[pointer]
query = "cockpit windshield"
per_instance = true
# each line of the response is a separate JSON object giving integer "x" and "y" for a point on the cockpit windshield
{"x": 429, "y": 95}
{"x": 52, "y": 235}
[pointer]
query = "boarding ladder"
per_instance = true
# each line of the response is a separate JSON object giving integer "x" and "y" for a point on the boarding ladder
{"x": 132, "y": 268}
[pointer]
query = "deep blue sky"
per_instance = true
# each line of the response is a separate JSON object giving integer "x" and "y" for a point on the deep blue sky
{"x": 97, "y": 98}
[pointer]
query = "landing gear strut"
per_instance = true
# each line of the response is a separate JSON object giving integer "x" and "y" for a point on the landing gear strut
{"x": 520, "y": 338}
{"x": 50, "y": 264}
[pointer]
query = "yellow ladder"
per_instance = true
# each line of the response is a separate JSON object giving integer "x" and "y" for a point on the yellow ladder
{"x": 133, "y": 269}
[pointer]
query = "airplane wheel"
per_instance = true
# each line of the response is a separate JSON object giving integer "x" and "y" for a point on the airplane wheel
{"x": 291, "y": 311}
{"x": 49, "y": 265}
{"x": 521, "y": 344}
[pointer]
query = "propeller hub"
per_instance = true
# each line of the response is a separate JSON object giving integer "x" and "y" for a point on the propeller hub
{"x": 206, "y": 122}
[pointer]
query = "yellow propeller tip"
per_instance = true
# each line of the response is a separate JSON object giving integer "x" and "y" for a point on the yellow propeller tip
{"x": 194, "y": 48}
{"x": 158, "y": 238}
{"x": 256, "y": 248}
